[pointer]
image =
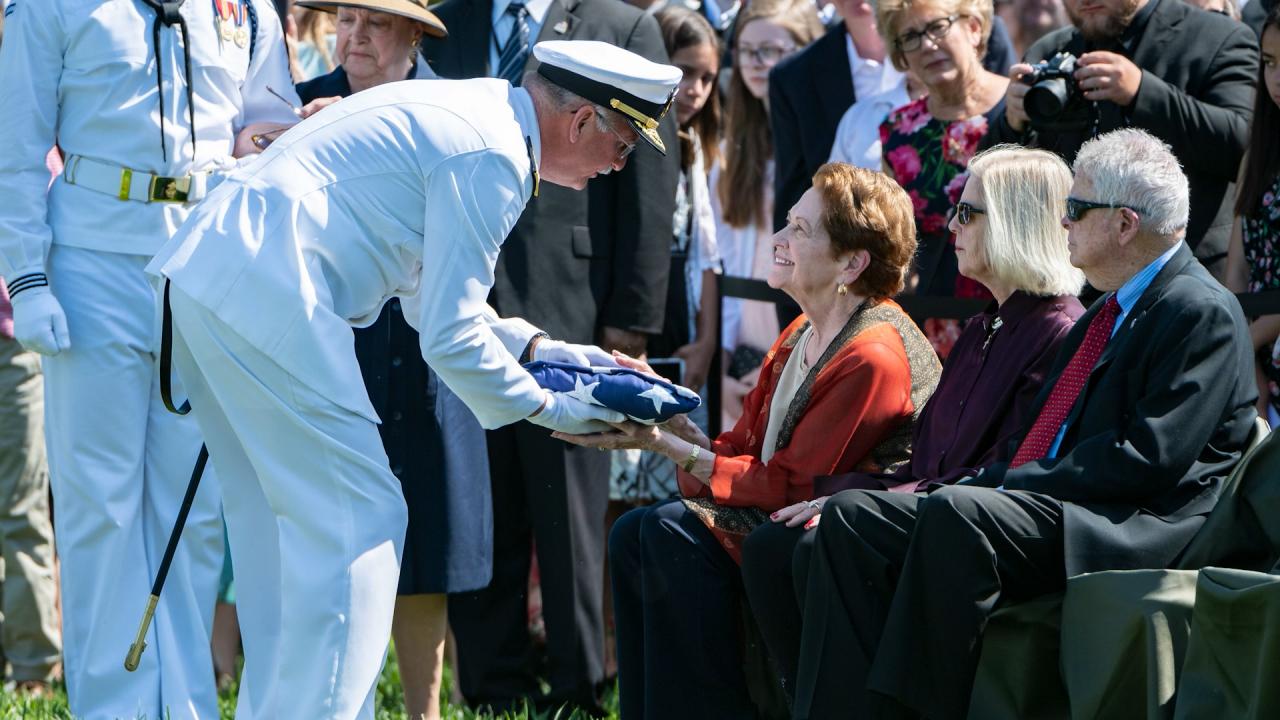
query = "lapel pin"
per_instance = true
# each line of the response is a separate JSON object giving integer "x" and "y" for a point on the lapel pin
{"x": 561, "y": 27}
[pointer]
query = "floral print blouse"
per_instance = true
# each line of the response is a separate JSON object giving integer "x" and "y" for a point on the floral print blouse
{"x": 930, "y": 159}
{"x": 1260, "y": 238}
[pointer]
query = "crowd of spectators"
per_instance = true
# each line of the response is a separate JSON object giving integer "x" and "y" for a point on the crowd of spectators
{"x": 1112, "y": 162}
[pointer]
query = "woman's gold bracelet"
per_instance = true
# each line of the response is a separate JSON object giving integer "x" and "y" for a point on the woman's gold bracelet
{"x": 693, "y": 458}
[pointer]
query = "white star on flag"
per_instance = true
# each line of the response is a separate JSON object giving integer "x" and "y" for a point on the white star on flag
{"x": 584, "y": 393}
{"x": 658, "y": 395}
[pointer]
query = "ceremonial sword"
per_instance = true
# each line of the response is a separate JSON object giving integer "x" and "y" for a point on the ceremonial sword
{"x": 166, "y": 395}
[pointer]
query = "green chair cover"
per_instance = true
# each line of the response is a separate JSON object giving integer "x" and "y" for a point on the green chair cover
{"x": 1232, "y": 668}
{"x": 1124, "y": 635}
{"x": 1017, "y": 676}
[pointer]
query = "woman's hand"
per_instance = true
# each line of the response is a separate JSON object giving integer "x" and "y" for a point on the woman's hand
{"x": 637, "y": 364}
{"x": 255, "y": 138}
{"x": 628, "y": 435}
{"x": 685, "y": 429}
{"x": 317, "y": 105}
{"x": 1264, "y": 331}
{"x": 807, "y": 513}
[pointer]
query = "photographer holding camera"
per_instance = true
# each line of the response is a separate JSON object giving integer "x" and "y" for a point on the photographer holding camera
{"x": 1183, "y": 74}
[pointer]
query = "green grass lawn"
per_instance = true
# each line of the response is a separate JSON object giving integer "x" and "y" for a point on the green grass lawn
{"x": 389, "y": 704}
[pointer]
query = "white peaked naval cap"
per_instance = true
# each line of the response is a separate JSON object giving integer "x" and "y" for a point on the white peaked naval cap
{"x": 637, "y": 88}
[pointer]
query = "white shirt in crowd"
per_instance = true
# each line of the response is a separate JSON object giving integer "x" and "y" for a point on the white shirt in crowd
{"x": 879, "y": 88}
{"x": 858, "y": 134}
{"x": 413, "y": 199}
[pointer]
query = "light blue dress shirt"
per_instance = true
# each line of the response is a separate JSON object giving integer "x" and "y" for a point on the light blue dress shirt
{"x": 1127, "y": 296}
{"x": 502, "y": 23}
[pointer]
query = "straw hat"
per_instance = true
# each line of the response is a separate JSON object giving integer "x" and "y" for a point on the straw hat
{"x": 412, "y": 9}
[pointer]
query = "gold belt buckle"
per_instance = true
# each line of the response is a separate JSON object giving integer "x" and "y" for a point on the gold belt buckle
{"x": 168, "y": 189}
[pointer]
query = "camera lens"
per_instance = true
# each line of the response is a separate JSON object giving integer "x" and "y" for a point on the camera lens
{"x": 1046, "y": 99}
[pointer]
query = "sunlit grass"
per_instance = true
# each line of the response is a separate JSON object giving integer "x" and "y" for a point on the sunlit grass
{"x": 389, "y": 704}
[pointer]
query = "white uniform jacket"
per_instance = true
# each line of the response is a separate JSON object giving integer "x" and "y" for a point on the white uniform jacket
{"x": 407, "y": 189}
{"x": 82, "y": 73}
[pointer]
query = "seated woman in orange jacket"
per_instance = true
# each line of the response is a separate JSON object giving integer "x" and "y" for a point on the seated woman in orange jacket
{"x": 838, "y": 392}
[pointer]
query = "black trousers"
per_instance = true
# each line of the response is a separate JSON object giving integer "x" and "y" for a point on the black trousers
{"x": 775, "y": 569}
{"x": 676, "y": 603}
{"x": 899, "y": 590}
{"x": 553, "y": 495}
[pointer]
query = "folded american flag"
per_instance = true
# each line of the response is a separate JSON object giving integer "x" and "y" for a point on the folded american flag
{"x": 641, "y": 397}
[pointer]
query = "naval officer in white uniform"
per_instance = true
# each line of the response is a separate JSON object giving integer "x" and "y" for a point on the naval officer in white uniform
{"x": 405, "y": 190}
{"x": 145, "y": 99}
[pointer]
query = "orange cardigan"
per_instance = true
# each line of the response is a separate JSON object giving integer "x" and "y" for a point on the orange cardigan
{"x": 861, "y": 397}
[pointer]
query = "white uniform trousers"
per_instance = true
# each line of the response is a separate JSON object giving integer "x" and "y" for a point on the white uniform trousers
{"x": 119, "y": 465}
{"x": 316, "y": 523}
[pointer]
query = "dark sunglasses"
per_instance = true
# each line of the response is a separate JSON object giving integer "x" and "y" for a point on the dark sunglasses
{"x": 964, "y": 212}
{"x": 1076, "y": 208}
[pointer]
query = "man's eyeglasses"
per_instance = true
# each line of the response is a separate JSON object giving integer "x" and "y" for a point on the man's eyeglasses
{"x": 964, "y": 212}
{"x": 1076, "y": 208}
{"x": 764, "y": 54}
{"x": 936, "y": 30}
{"x": 627, "y": 147}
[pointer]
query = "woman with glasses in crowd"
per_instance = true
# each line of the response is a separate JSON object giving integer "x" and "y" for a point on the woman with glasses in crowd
{"x": 435, "y": 445}
{"x": 1253, "y": 260}
{"x": 1010, "y": 239}
{"x": 742, "y": 184}
{"x": 928, "y": 142}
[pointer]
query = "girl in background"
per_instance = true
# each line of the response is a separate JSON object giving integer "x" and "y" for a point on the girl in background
{"x": 768, "y": 31}
{"x": 1253, "y": 260}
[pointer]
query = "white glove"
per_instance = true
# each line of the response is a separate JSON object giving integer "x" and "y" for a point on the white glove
{"x": 570, "y": 415}
{"x": 585, "y": 355}
{"x": 39, "y": 323}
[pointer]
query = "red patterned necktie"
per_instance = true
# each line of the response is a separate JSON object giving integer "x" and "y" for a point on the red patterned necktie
{"x": 1065, "y": 392}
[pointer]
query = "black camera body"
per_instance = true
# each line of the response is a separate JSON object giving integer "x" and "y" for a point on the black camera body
{"x": 1055, "y": 99}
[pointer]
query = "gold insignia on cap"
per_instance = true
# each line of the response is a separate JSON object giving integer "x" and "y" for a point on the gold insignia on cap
{"x": 648, "y": 122}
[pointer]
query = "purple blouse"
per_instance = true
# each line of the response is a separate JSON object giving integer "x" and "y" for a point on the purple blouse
{"x": 984, "y": 397}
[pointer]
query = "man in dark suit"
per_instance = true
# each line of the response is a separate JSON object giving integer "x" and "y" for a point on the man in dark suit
{"x": 1148, "y": 407}
{"x": 587, "y": 266}
{"x": 1181, "y": 73}
{"x": 810, "y": 91}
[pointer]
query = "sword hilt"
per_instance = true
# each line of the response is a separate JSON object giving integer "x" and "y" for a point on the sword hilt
{"x": 139, "y": 643}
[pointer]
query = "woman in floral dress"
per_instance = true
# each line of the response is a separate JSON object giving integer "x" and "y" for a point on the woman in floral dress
{"x": 927, "y": 143}
{"x": 1253, "y": 261}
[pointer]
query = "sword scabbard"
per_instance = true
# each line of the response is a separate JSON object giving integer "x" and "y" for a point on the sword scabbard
{"x": 139, "y": 643}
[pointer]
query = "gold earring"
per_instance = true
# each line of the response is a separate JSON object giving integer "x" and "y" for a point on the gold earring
{"x": 842, "y": 289}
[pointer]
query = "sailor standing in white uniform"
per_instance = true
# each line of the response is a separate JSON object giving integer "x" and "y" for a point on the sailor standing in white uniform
{"x": 145, "y": 99}
{"x": 408, "y": 190}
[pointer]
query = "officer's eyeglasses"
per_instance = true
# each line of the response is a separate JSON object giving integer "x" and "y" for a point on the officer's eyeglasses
{"x": 1076, "y": 208}
{"x": 627, "y": 147}
{"x": 936, "y": 30}
{"x": 766, "y": 54}
{"x": 964, "y": 212}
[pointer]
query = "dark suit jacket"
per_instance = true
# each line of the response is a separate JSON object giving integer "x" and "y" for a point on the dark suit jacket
{"x": 808, "y": 94}
{"x": 579, "y": 260}
{"x": 1198, "y": 75}
{"x": 1164, "y": 416}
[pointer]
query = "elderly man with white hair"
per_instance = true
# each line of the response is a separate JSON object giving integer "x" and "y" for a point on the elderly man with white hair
{"x": 404, "y": 190}
{"x": 1147, "y": 408}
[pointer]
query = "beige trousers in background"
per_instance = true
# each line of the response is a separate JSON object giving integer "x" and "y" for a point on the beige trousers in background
{"x": 29, "y": 637}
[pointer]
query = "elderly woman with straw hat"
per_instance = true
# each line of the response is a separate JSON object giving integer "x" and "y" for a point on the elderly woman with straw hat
{"x": 377, "y": 43}
{"x": 435, "y": 445}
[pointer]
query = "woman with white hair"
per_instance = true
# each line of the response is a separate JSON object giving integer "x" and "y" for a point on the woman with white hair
{"x": 1009, "y": 238}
